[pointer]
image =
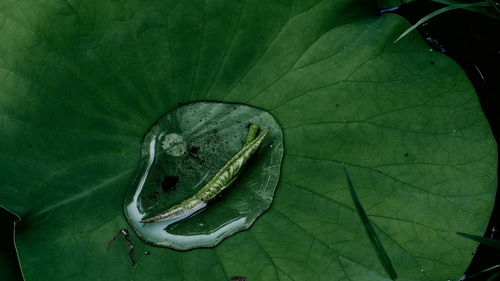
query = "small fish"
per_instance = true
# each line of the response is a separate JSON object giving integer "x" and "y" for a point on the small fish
{"x": 223, "y": 179}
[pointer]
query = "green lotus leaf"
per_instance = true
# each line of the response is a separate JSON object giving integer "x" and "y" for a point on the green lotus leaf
{"x": 83, "y": 81}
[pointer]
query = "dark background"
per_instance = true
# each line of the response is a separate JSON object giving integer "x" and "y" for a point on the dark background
{"x": 473, "y": 41}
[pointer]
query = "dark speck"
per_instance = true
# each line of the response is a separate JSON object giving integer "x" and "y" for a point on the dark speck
{"x": 337, "y": 105}
{"x": 406, "y": 154}
{"x": 168, "y": 183}
{"x": 238, "y": 278}
{"x": 431, "y": 63}
{"x": 194, "y": 149}
{"x": 30, "y": 146}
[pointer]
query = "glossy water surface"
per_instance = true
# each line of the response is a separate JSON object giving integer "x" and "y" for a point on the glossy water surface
{"x": 181, "y": 153}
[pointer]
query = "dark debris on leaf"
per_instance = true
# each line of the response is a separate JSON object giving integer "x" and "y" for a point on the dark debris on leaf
{"x": 194, "y": 149}
{"x": 238, "y": 278}
{"x": 126, "y": 236}
{"x": 169, "y": 183}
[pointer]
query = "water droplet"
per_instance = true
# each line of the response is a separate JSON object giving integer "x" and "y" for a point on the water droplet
{"x": 147, "y": 253}
{"x": 181, "y": 153}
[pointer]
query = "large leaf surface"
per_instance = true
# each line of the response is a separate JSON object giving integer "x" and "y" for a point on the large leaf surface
{"x": 82, "y": 81}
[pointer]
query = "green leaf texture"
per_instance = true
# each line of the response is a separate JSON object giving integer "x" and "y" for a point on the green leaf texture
{"x": 83, "y": 81}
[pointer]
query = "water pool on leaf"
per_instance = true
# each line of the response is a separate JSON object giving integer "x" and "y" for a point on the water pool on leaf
{"x": 181, "y": 153}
